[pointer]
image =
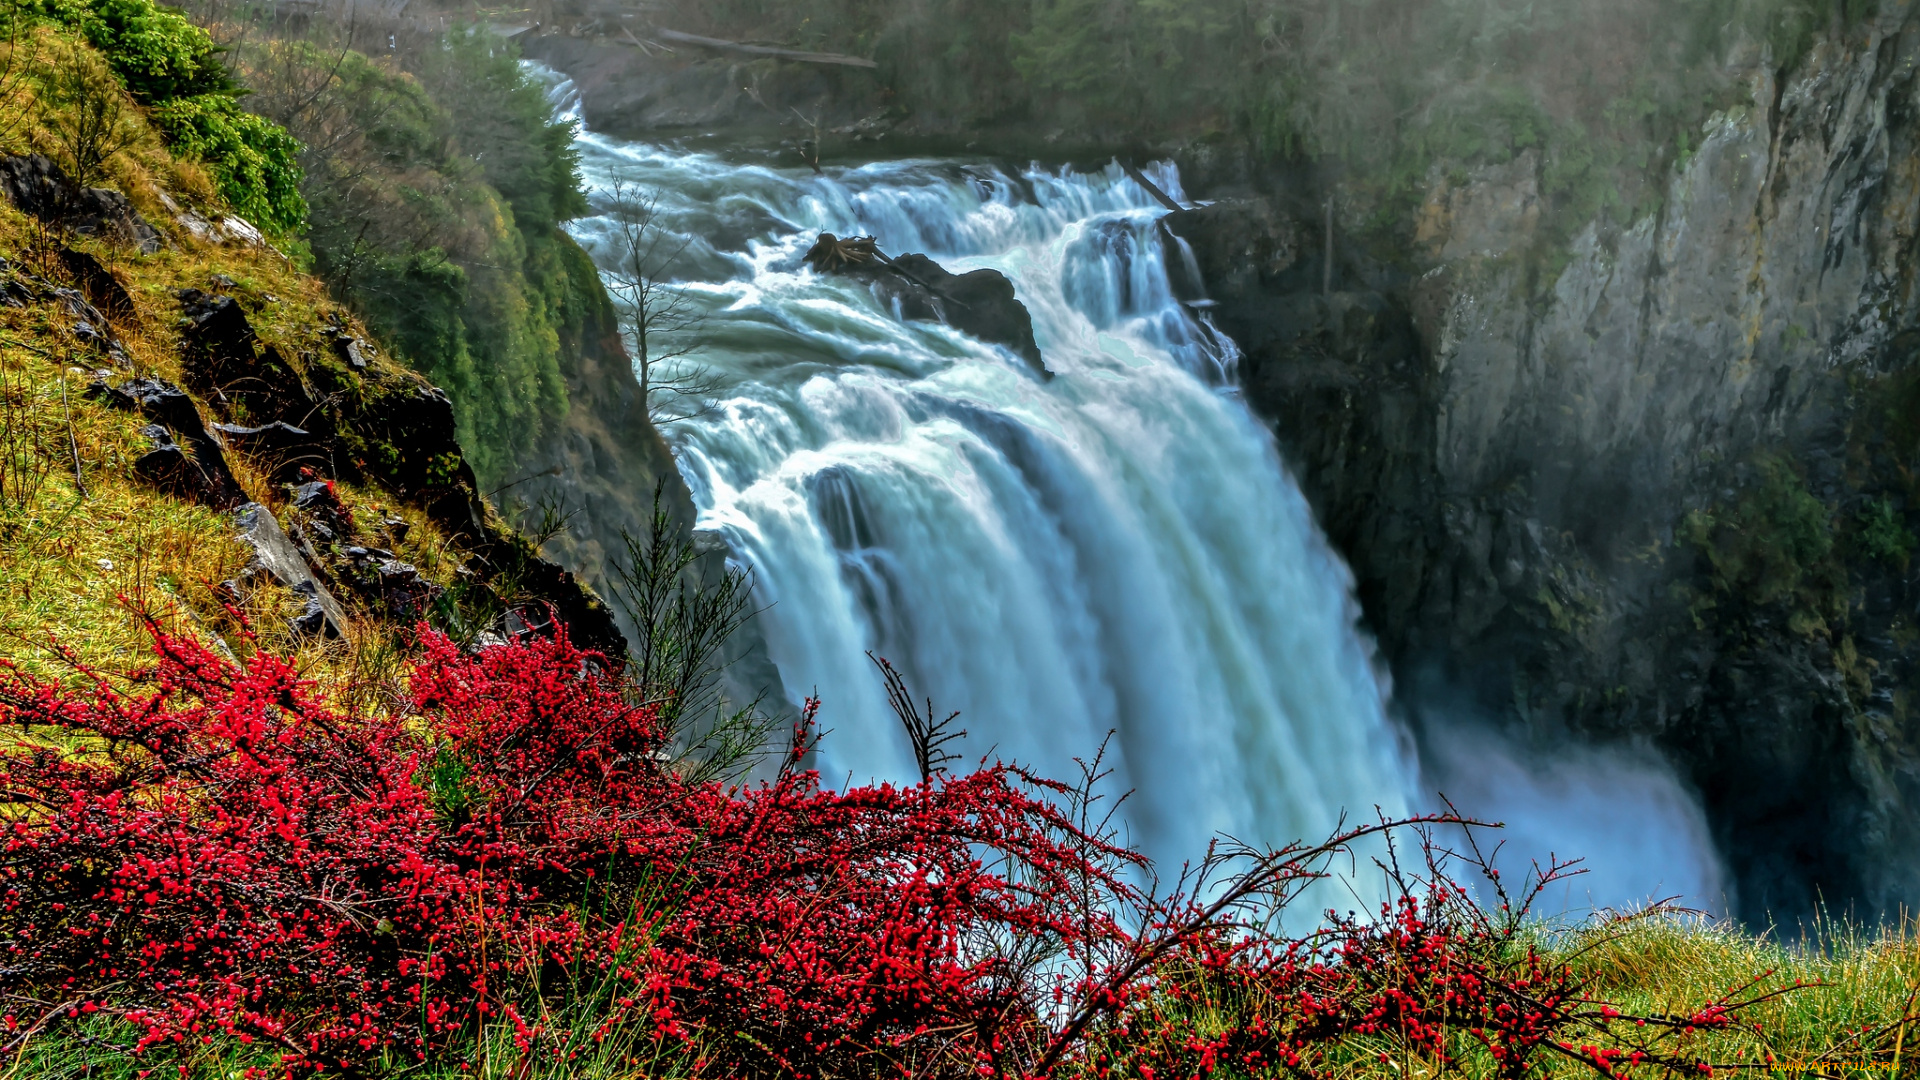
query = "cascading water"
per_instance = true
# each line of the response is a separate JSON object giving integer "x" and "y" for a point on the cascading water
{"x": 1117, "y": 549}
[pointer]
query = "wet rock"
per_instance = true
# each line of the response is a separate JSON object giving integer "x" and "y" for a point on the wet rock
{"x": 199, "y": 475}
{"x": 279, "y": 449}
{"x": 226, "y": 361}
{"x": 37, "y": 186}
{"x": 99, "y": 284}
{"x": 185, "y": 457}
{"x": 313, "y": 620}
{"x": 323, "y": 518}
{"x": 422, "y": 460}
{"x": 980, "y": 304}
{"x": 396, "y": 588}
{"x": 353, "y": 350}
{"x": 99, "y": 341}
{"x": 275, "y": 555}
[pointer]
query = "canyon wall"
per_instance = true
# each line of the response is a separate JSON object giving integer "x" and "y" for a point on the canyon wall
{"x": 1654, "y": 488}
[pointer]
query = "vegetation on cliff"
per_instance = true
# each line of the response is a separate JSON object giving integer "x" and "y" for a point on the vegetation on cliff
{"x": 436, "y": 196}
{"x": 1607, "y": 96}
{"x": 172, "y": 67}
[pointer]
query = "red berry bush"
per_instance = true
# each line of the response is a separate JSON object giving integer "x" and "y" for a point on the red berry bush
{"x": 214, "y": 851}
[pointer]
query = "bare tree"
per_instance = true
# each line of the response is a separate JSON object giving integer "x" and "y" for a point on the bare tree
{"x": 18, "y": 63}
{"x": 87, "y": 112}
{"x": 658, "y": 319}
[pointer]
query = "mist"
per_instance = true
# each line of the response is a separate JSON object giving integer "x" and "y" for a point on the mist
{"x": 1638, "y": 834}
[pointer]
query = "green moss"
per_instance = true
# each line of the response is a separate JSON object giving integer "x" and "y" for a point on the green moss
{"x": 1880, "y": 531}
{"x": 1774, "y": 544}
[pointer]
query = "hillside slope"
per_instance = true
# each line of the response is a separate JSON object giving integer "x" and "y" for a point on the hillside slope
{"x": 195, "y": 433}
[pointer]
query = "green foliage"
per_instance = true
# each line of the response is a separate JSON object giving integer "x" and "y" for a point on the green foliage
{"x": 254, "y": 160}
{"x": 1774, "y": 544}
{"x": 1881, "y": 533}
{"x": 504, "y": 123}
{"x": 156, "y": 51}
{"x": 435, "y": 201}
{"x": 172, "y": 66}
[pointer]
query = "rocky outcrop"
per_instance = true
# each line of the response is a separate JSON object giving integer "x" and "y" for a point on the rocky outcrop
{"x": 276, "y": 557}
{"x": 979, "y": 303}
{"x": 321, "y": 412}
{"x": 183, "y": 456}
{"x": 1657, "y": 485}
{"x": 37, "y": 186}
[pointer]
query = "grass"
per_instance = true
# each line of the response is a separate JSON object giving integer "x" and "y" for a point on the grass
{"x": 83, "y": 557}
{"x": 1846, "y": 1019}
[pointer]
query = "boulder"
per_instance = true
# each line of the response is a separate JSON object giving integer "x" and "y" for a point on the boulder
{"x": 98, "y": 283}
{"x": 185, "y": 458}
{"x": 225, "y": 361}
{"x": 980, "y": 304}
{"x": 37, "y": 186}
{"x": 275, "y": 555}
{"x": 323, "y": 518}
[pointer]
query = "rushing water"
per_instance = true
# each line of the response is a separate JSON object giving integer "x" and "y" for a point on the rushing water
{"x": 1115, "y": 550}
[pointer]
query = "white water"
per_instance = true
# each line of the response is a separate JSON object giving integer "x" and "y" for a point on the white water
{"x": 1117, "y": 549}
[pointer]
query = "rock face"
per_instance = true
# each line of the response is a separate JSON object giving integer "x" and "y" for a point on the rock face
{"x": 305, "y": 420}
{"x": 1660, "y": 493}
{"x": 627, "y": 91}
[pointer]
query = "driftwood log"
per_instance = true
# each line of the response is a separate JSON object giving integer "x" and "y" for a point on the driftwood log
{"x": 795, "y": 55}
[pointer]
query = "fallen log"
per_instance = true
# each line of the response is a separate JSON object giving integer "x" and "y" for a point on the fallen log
{"x": 796, "y": 55}
{"x": 1152, "y": 188}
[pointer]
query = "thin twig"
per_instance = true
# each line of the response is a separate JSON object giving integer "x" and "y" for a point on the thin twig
{"x": 73, "y": 445}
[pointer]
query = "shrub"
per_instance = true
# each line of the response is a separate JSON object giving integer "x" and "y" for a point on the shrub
{"x": 214, "y": 851}
{"x": 215, "y": 848}
{"x": 87, "y": 113}
{"x": 156, "y": 51}
{"x": 252, "y": 158}
{"x": 172, "y": 66}
{"x": 1883, "y": 534}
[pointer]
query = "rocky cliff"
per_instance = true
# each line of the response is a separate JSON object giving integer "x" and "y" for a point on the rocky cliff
{"x": 1656, "y": 486}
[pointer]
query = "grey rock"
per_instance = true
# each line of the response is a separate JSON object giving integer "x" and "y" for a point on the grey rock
{"x": 275, "y": 554}
{"x": 37, "y": 186}
{"x": 1508, "y": 464}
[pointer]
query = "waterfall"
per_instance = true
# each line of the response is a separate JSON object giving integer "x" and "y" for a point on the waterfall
{"x": 1118, "y": 549}
{"x": 1115, "y": 551}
